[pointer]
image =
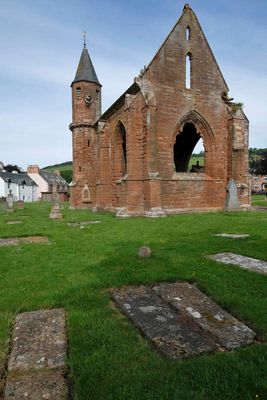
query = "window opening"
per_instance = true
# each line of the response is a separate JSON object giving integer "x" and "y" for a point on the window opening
{"x": 122, "y": 148}
{"x": 187, "y": 142}
{"x": 188, "y": 71}
{"x": 78, "y": 92}
{"x": 188, "y": 33}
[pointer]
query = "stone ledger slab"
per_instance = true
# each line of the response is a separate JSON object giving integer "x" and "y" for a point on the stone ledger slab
{"x": 233, "y": 235}
{"x": 223, "y": 327}
{"x": 176, "y": 336}
{"x": 15, "y": 241}
{"x": 180, "y": 320}
{"x": 249, "y": 263}
{"x": 36, "y": 366}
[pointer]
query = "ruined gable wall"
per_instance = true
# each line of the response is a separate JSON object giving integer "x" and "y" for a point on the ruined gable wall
{"x": 166, "y": 74}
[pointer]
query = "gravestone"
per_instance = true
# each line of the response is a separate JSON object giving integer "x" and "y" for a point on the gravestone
{"x": 3, "y": 202}
{"x": 20, "y": 204}
{"x": 232, "y": 202}
{"x": 180, "y": 321}
{"x": 10, "y": 202}
{"x": 55, "y": 212}
{"x": 249, "y": 263}
{"x": 37, "y": 367}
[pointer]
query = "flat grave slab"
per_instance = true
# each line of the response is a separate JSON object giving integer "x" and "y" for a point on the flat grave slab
{"x": 13, "y": 222}
{"x": 224, "y": 328}
{"x": 180, "y": 321}
{"x": 83, "y": 223}
{"x": 249, "y": 263}
{"x": 233, "y": 235}
{"x": 176, "y": 336}
{"x": 15, "y": 241}
{"x": 36, "y": 365}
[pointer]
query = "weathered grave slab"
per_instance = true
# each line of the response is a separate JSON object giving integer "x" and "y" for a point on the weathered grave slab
{"x": 249, "y": 263}
{"x": 174, "y": 335}
{"x": 49, "y": 385}
{"x": 36, "y": 366}
{"x": 39, "y": 340}
{"x": 14, "y": 222}
{"x": 223, "y": 327}
{"x": 15, "y": 241}
{"x": 233, "y": 235}
{"x": 83, "y": 223}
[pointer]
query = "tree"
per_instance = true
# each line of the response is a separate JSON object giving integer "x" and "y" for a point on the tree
{"x": 11, "y": 168}
{"x": 259, "y": 166}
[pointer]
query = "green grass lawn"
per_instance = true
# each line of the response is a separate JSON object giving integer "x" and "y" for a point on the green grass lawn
{"x": 108, "y": 358}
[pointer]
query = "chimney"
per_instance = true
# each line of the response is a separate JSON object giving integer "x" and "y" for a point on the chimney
{"x": 57, "y": 172}
{"x": 33, "y": 169}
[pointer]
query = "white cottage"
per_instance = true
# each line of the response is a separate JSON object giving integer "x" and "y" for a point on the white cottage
{"x": 19, "y": 184}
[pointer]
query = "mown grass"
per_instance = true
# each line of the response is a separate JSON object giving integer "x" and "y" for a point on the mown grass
{"x": 108, "y": 358}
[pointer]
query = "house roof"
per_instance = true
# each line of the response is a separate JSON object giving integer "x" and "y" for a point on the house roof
{"x": 85, "y": 70}
{"x": 52, "y": 178}
{"x": 18, "y": 178}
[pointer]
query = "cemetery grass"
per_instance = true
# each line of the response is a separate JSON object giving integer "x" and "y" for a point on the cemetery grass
{"x": 107, "y": 357}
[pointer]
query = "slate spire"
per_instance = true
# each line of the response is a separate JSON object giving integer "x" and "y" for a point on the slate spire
{"x": 85, "y": 70}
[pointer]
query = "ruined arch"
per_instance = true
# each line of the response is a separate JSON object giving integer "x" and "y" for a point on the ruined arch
{"x": 120, "y": 150}
{"x": 189, "y": 129}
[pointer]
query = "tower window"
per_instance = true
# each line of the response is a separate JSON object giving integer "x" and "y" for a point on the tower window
{"x": 188, "y": 71}
{"x": 78, "y": 92}
{"x": 88, "y": 143}
{"x": 188, "y": 33}
{"x": 80, "y": 169}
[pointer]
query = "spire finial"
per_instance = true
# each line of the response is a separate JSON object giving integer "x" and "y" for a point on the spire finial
{"x": 84, "y": 39}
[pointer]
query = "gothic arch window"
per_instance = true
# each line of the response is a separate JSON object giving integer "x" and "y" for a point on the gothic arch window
{"x": 121, "y": 150}
{"x": 188, "y": 71}
{"x": 78, "y": 92}
{"x": 185, "y": 143}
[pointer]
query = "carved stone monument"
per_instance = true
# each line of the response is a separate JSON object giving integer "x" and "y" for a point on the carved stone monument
{"x": 55, "y": 212}
{"x": 10, "y": 202}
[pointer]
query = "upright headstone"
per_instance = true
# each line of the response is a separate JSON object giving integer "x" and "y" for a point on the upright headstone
{"x": 232, "y": 202}
{"x": 10, "y": 202}
{"x": 20, "y": 204}
{"x": 55, "y": 212}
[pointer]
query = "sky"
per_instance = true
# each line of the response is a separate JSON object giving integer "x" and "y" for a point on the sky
{"x": 41, "y": 42}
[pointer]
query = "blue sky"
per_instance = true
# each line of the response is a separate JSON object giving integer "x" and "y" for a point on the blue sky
{"x": 41, "y": 42}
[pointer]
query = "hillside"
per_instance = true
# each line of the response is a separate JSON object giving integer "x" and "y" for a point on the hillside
{"x": 65, "y": 169}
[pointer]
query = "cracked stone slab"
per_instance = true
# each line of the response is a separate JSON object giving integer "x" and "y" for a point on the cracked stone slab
{"x": 36, "y": 367}
{"x": 173, "y": 334}
{"x": 15, "y": 241}
{"x": 226, "y": 330}
{"x": 233, "y": 235}
{"x": 249, "y": 263}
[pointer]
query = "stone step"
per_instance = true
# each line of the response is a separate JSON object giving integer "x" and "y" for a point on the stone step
{"x": 223, "y": 327}
{"x": 174, "y": 335}
{"x": 36, "y": 366}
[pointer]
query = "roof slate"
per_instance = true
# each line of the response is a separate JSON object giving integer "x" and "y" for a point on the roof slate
{"x": 17, "y": 178}
{"x": 85, "y": 70}
{"x": 52, "y": 178}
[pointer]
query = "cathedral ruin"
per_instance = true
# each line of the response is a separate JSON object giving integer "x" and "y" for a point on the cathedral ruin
{"x": 134, "y": 158}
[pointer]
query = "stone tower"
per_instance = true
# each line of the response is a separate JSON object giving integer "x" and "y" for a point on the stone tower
{"x": 86, "y": 110}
